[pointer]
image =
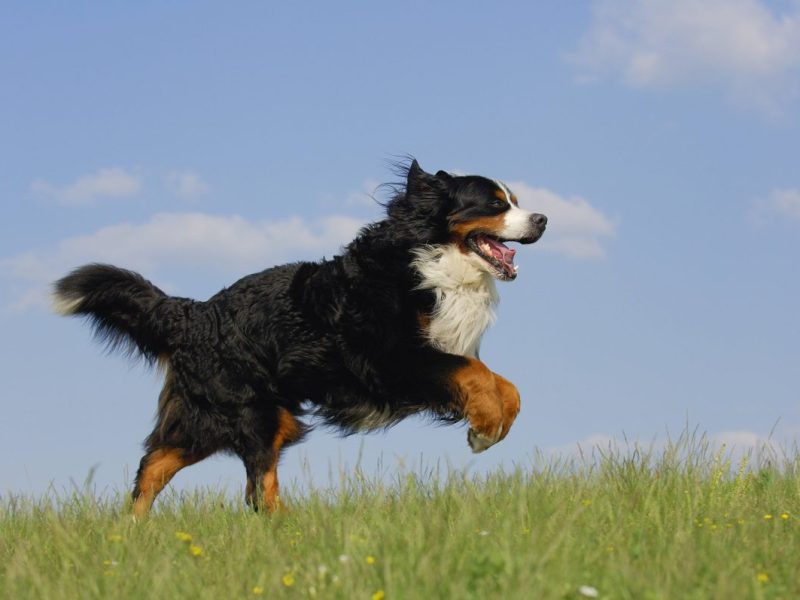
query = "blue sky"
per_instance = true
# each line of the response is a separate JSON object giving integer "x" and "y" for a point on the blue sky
{"x": 198, "y": 142}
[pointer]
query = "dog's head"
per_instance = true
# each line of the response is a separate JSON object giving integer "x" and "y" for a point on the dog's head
{"x": 477, "y": 214}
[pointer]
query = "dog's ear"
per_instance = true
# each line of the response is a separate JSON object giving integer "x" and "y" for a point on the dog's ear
{"x": 445, "y": 177}
{"x": 416, "y": 174}
{"x": 420, "y": 183}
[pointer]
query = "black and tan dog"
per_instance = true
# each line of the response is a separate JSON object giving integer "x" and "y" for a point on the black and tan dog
{"x": 389, "y": 328}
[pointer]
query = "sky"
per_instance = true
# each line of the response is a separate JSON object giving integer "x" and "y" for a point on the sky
{"x": 198, "y": 142}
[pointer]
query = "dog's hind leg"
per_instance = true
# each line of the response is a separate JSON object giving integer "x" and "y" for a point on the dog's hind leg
{"x": 156, "y": 469}
{"x": 262, "y": 466}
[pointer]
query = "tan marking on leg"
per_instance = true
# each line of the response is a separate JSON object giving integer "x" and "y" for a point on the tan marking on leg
{"x": 289, "y": 430}
{"x": 162, "y": 464}
{"x": 272, "y": 499}
{"x": 511, "y": 402}
{"x": 490, "y": 403}
{"x": 482, "y": 403}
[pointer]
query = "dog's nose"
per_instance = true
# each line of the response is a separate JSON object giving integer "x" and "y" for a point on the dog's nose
{"x": 538, "y": 220}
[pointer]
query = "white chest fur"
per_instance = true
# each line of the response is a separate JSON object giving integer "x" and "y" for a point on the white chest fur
{"x": 465, "y": 298}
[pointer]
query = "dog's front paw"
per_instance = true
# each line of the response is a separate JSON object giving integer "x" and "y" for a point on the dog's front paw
{"x": 491, "y": 417}
{"x": 480, "y": 441}
{"x": 485, "y": 417}
{"x": 511, "y": 403}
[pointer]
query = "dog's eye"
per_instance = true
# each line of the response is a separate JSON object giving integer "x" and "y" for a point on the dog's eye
{"x": 497, "y": 203}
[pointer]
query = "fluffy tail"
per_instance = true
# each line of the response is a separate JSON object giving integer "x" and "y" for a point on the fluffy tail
{"x": 127, "y": 311}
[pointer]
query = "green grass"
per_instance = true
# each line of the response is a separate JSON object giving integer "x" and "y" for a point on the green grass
{"x": 679, "y": 523}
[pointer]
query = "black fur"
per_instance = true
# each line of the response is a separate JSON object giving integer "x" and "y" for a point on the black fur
{"x": 338, "y": 338}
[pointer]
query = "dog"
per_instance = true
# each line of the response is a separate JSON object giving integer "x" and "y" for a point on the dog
{"x": 389, "y": 328}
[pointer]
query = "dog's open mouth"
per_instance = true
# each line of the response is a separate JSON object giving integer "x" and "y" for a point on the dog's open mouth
{"x": 499, "y": 256}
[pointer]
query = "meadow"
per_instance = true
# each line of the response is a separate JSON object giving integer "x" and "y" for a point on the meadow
{"x": 683, "y": 521}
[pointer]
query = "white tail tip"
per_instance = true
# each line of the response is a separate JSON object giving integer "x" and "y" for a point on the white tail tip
{"x": 64, "y": 306}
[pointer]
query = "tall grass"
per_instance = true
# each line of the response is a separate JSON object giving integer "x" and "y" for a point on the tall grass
{"x": 679, "y": 522}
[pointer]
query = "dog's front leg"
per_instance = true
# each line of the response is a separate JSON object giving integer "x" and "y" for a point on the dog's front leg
{"x": 490, "y": 403}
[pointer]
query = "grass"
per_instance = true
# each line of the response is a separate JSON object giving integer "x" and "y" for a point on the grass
{"x": 683, "y": 522}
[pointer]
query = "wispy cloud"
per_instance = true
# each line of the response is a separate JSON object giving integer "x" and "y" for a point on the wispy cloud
{"x": 169, "y": 240}
{"x": 112, "y": 182}
{"x": 785, "y": 203}
{"x": 186, "y": 184}
{"x": 575, "y": 228}
{"x": 781, "y": 204}
{"x": 740, "y": 46}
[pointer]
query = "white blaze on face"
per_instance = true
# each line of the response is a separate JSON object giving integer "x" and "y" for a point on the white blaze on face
{"x": 504, "y": 188}
{"x": 517, "y": 220}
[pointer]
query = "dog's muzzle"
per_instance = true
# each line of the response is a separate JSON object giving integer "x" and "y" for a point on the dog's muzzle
{"x": 537, "y": 225}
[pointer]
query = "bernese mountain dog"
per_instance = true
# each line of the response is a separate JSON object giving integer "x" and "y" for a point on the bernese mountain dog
{"x": 389, "y": 328}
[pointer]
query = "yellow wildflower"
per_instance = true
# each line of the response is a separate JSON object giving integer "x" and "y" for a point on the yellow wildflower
{"x": 785, "y": 516}
{"x": 762, "y": 578}
{"x": 195, "y": 550}
{"x": 370, "y": 560}
{"x": 183, "y": 536}
{"x": 288, "y": 580}
{"x": 586, "y": 501}
{"x": 768, "y": 517}
{"x": 379, "y": 595}
{"x": 258, "y": 590}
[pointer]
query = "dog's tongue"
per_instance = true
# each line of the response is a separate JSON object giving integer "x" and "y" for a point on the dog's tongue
{"x": 503, "y": 253}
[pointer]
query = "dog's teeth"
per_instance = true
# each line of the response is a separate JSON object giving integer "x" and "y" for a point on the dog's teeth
{"x": 516, "y": 268}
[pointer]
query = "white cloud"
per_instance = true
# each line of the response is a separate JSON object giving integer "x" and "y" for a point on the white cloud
{"x": 781, "y": 204}
{"x": 187, "y": 184}
{"x": 112, "y": 182}
{"x": 181, "y": 239}
{"x": 738, "y": 445}
{"x": 784, "y": 202}
{"x": 574, "y": 228}
{"x": 741, "y": 46}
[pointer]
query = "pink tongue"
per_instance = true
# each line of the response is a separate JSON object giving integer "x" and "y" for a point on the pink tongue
{"x": 501, "y": 252}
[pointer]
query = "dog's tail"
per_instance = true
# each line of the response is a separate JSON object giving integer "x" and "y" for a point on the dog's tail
{"x": 127, "y": 311}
